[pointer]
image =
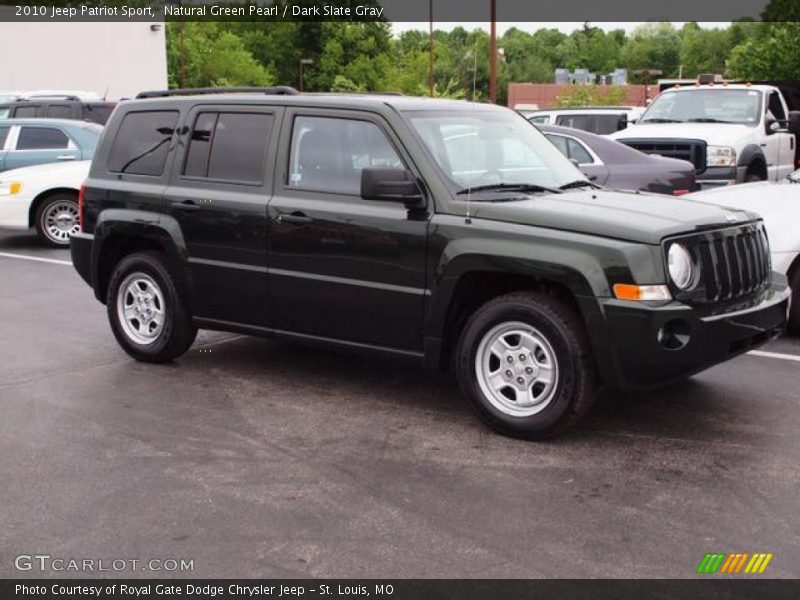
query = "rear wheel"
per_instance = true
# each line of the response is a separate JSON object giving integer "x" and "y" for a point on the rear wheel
{"x": 523, "y": 362}
{"x": 753, "y": 174}
{"x": 146, "y": 311}
{"x": 57, "y": 219}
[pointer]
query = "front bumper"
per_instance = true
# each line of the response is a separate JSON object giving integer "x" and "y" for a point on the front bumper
{"x": 714, "y": 177}
{"x": 641, "y": 358}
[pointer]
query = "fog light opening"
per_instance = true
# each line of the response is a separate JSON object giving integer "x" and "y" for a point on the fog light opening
{"x": 674, "y": 334}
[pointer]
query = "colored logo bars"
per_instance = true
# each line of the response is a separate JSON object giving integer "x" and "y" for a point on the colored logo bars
{"x": 734, "y": 563}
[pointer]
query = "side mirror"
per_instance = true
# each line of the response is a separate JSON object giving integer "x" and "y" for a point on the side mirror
{"x": 623, "y": 122}
{"x": 795, "y": 177}
{"x": 794, "y": 122}
{"x": 390, "y": 185}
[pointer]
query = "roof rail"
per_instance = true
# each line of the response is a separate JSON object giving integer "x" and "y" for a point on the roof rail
{"x": 49, "y": 97}
{"x": 277, "y": 90}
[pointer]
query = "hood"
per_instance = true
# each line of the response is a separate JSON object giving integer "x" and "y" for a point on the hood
{"x": 637, "y": 217}
{"x": 72, "y": 167}
{"x": 714, "y": 134}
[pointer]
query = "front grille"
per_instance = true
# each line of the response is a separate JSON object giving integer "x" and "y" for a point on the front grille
{"x": 693, "y": 151}
{"x": 733, "y": 263}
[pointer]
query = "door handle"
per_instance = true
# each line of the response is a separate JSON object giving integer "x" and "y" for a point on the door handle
{"x": 293, "y": 217}
{"x": 65, "y": 157}
{"x": 186, "y": 205}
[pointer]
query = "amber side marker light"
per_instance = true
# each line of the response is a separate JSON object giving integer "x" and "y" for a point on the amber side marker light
{"x": 626, "y": 291}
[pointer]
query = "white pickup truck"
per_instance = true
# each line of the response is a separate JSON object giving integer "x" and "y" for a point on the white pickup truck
{"x": 732, "y": 133}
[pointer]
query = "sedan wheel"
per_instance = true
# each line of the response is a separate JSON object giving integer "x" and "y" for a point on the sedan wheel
{"x": 57, "y": 220}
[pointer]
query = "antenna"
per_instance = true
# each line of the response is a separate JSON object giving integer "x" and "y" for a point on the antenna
{"x": 106, "y": 94}
{"x": 467, "y": 219}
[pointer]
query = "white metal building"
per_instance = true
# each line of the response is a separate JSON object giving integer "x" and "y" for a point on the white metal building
{"x": 122, "y": 58}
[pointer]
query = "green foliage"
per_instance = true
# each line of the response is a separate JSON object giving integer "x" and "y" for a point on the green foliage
{"x": 774, "y": 54}
{"x": 342, "y": 84}
{"x": 592, "y": 95}
{"x": 213, "y": 57}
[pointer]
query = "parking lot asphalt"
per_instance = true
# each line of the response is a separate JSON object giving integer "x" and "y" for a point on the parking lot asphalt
{"x": 254, "y": 458}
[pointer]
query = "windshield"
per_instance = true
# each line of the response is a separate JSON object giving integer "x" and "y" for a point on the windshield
{"x": 705, "y": 106}
{"x": 480, "y": 148}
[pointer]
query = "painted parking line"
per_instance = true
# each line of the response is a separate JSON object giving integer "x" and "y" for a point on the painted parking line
{"x": 777, "y": 355}
{"x": 36, "y": 258}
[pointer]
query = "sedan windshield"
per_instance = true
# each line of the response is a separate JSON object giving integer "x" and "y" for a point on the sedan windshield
{"x": 705, "y": 106}
{"x": 492, "y": 149}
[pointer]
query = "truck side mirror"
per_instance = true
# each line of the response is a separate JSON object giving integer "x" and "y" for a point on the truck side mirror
{"x": 623, "y": 122}
{"x": 388, "y": 184}
{"x": 794, "y": 122}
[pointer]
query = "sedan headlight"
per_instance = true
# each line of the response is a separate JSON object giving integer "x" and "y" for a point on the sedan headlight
{"x": 681, "y": 267}
{"x": 720, "y": 156}
{"x": 9, "y": 188}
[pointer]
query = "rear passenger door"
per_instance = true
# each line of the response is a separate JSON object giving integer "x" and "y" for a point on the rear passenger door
{"x": 341, "y": 267}
{"x": 218, "y": 194}
{"x": 39, "y": 144}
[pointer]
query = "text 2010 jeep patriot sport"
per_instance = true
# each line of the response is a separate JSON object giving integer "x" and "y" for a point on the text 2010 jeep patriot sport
{"x": 450, "y": 232}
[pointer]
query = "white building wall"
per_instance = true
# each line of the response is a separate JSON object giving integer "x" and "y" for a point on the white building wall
{"x": 123, "y": 58}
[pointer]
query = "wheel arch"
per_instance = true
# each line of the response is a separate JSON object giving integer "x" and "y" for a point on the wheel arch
{"x": 125, "y": 232}
{"x": 41, "y": 197}
{"x": 753, "y": 158}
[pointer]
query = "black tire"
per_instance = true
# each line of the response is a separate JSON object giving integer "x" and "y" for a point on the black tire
{"x": 752, "y": 176}
{"x": 575, "y": 382}
{"x": 794, "y": 311}
{"x": 177, "y": 331}
{"x": 60, "y": 239}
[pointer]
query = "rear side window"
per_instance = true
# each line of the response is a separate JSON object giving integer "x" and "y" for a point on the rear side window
{"x": 3, "y": 136}
{"x": 142, "y": 142}
{"x": 578, "y": 152}
{"x": 97, "y": 113}
{"x": 25, "y": 112}
{"x": 229, "y": 146}
{"x": 42, "y": 138}
{"x": 58, "y": 111}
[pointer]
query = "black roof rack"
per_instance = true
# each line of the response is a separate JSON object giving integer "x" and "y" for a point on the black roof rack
{"x": 278, "y": 90}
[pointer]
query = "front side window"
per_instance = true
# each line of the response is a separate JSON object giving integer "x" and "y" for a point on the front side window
{"x": 229, "y": 146}
{"x": 482, "y": 148}
{"x": 328, "y": 154}
{"x": 42, "y": 138}
{"x": 705, "y": 106}
{"x": 578, "y": 152}
{"x": 142, "y": 142}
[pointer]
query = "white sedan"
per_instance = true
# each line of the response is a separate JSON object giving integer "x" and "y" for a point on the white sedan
{"x": 779, "y": 205}
{"x": 44, "y": 197}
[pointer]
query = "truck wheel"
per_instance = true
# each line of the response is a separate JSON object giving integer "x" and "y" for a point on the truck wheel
{"x": 752, "y": 175}
{"x": 523, "y": 363}
{"x": 57, "y": 219}
{"x": 794, "y": 311}
{"x": 145, "y": 309}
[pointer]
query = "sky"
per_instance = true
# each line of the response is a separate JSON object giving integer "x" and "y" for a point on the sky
{"x": 565, "y": 27}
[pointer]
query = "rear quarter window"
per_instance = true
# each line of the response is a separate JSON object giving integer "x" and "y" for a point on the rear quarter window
{"x": 141, "y": 144}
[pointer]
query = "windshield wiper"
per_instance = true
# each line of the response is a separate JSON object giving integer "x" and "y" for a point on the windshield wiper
{"x": 707, "y": 120}
{"x": 657, "y": 120}
{"x": 579, "y": 183}
{"x": 510, "y": 187}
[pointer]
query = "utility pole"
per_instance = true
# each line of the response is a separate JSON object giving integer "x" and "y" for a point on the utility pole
{"x": 430, "y": 36}
{"x": 493, "y": 54}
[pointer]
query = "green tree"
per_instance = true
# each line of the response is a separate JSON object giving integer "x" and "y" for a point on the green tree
{"x": 653, "y": 46}
{"x": 213, "y": 57}
{"x": 775, "y": 54}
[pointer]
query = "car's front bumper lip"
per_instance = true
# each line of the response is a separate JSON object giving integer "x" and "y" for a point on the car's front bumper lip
{"x": 641, "y": 360}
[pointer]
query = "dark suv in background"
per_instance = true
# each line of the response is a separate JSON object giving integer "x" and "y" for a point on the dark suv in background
{"x": 448, "y": 232}
{"x": 58, "y": 107}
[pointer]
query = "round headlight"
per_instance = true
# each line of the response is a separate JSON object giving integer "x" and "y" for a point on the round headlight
{"x": 681, "y": 268}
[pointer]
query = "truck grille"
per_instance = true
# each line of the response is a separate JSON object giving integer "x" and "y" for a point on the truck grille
{"x": 693, "y": 151}
{"x": 734, "y": 263}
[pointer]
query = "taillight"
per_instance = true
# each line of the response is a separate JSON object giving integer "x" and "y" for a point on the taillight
{"x": 81, "y": 207}
{"x": 679, "y": 192}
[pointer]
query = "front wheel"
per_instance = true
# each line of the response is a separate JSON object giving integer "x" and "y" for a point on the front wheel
{"x": 57, "y": 219}
{"x": 794, "y": 311}
{"x": 146, "y": 311}
{"x": 523, "y": 363}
